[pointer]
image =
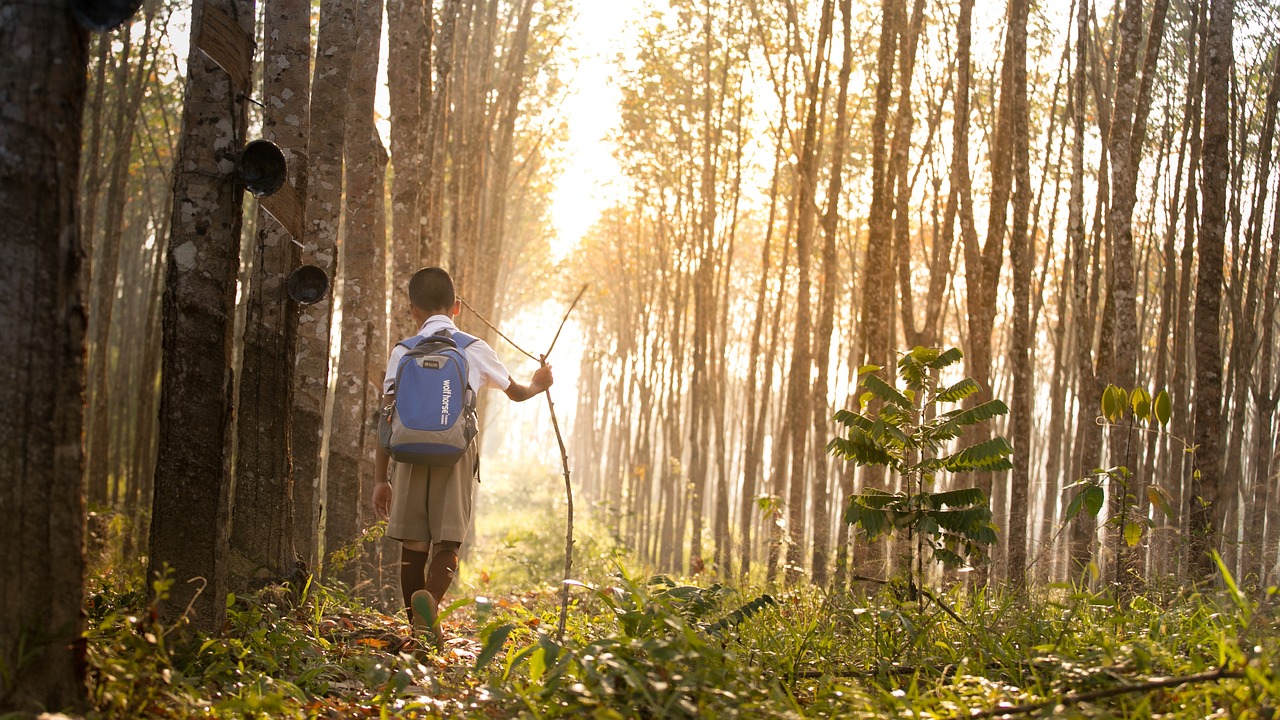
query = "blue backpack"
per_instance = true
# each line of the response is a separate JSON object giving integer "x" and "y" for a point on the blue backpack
{"x": 431, "y": 419}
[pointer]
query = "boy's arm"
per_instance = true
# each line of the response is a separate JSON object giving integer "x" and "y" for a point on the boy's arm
{"x": 541, "y": 380}
{"x": 381, "y": 482}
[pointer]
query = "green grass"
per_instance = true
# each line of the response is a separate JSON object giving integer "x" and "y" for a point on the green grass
{"x": 640, "y": 645}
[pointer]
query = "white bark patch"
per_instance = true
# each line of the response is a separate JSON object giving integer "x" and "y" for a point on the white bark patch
{"x": 185, "y": 255}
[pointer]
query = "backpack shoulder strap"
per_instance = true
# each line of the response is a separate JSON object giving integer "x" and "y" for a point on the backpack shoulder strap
{"x": 463, "y": 340}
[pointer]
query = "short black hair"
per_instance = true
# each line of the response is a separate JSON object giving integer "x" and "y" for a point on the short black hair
{"x": 431, "y": 289}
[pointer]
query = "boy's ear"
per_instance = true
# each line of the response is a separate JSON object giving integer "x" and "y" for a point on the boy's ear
{"x": 457, "y": 308}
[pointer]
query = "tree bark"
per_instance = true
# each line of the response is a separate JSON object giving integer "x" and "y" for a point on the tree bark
{"x": 262, "y": 528}
{"x": 826, "y": 312}
{"x": 360, "y": 364}
{"x": 329, "y": 87}
{"x": 798, "y": 392}
{"x": 42, "y": 327}
{"x": 1203, "y": 530}
{"x": 190, "y": 510}
{"x": 1022, "y": 257}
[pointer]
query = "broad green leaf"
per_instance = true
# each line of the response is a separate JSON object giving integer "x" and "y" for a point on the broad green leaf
{"x": 1073, "y": 508}
{"x": 868, "y": 369}
{"x": 959, "y": 391}
{"x": 1160, "y": 498}
{"x": 885, "y": 391}
{"x": 1162, "y": 407}
{"x": 865, "y": 399}
{"x": 1140, "y": 403}
{"x": 492, "y": 644}
{"x": 1113, "y": 403}
{"x": 946, "y": 358}
{"x": 1132, "y": 533}
{"x": 1093, "y": 498}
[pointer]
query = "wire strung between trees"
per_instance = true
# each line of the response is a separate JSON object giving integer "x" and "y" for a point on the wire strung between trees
{"x": 564, "y": 454}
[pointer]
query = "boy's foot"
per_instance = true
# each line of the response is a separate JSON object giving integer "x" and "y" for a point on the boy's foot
{"x": 425, "y": 621}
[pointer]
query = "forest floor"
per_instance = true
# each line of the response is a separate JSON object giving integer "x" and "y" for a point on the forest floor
{"x": 653, "y": 646}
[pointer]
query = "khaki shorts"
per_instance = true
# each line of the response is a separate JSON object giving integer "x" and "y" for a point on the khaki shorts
{"x": 432, "y": 504}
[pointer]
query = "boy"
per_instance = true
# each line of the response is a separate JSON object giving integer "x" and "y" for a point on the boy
{"x": 429, "y": 508}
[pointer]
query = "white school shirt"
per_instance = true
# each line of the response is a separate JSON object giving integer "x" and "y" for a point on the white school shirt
{"x": 485, "y": 370}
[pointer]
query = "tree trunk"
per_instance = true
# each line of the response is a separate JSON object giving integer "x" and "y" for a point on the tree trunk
{"x": 190, "y": 512}
{"x": 826, "y": 313}
{"x": 42, "y": 95}
{"x": 798, "y": 393}
{"x": 360, "y": 364}
{"x": 1022, "y": 257}
{"x": 409, "y": 36}
{"x": 328, "y": 110}
{"x": 262, "y": 526}
{"x": 1083, "y": 526}
{"x": 1203, "y": 528}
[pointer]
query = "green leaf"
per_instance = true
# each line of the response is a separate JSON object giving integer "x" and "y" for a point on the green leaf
{"x": 1140, "y": 403}
{"x": 1093, "y": 498}
{"x": 973, "y": 416}
{"x": 859, "y": 452}
{"x": 492, "y": 644}
{"x": 1160, "y": 498}
{"x": 1163, "y": 408}
{"x": 1113, "y": 403}
{"x": 989, "y": 455}
{"x": 1073, "y": 508}
{"x": 885, "y": 391}
{"x": 958, "y": 498}
{"x": 959, "y": 391}
{"x": 911, "y": 371}
{"x": 946, "y": 359}
{"x": 865, "y": 369}
{"x": 1132, "y": 533}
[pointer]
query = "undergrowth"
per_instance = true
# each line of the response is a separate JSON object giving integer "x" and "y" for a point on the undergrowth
{"x": 656, "y": 647}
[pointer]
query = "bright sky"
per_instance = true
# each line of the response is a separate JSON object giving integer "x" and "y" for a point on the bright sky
{"x": 590, "y": 178}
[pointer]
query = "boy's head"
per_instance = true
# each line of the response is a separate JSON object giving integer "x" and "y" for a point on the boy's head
{"x": 431, "y": 292}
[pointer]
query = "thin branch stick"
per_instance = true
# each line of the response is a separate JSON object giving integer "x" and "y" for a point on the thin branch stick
{"x": 568, "y": 534}
{"x": 1074, "y": 698}
{"x": 494, "y": 328}
{"x": 564, "y": 456}
{"x": 565, "y": 319}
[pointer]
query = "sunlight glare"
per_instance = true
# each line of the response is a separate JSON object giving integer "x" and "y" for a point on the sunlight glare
{"x": 590, "y": 179}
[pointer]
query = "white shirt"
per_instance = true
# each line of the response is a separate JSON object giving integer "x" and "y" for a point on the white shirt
{"x": 485, "y": 370}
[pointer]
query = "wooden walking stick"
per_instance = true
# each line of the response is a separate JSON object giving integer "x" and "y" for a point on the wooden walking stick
{"x": 564, "y": 458}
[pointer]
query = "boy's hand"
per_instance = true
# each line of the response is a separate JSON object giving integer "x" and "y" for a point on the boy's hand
{"x": 542, "y": 378}
{"x": 382, "y": 499}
